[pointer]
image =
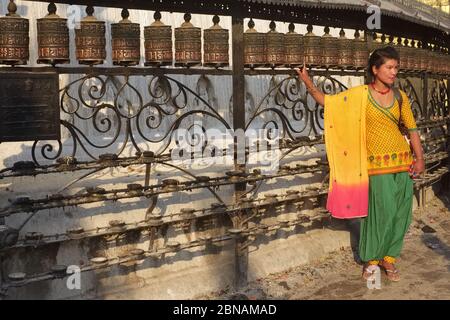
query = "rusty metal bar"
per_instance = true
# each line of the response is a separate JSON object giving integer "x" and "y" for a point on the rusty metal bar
{"x": 146, "y": 71}
{"x": 137, "y": 255}
{"x": 237, "y": 22}
{"x": 64, "y": 164}
{"x": 35, "y": 239}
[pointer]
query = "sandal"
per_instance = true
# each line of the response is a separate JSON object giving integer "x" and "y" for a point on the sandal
{"x": 391, "y": 272}
{"x": 369, "y": 272}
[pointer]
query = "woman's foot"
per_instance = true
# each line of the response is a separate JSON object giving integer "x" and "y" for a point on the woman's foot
{"x": 369, "y": 270}
{"x": 390, "y": 269}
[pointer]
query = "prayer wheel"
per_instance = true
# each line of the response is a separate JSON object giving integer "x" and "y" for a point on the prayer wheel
{"x": 53, "y": 38}
{"x": 345, "y": 51}
{"x": 421, "y": 57}
{"x": 90, "y": 40}
{"x": 440, "y": 65}
{"x": 14, "y": 38}
{"x": 430, "y": 59}
{"x": 158, "y": 43}
{"x": 447, "y": 63}
{"x": 312, "y": 48}
{"x": 415, "y": 57}
{"x": 375, "y": 43}
{"x": 403, "y": 52}
{"x": 254, "y": 47}
{"x": 329, "y": 46}
{"x": 294, "y": 47}
{"x": 275, "y": 50}
{"x": 188, "y": 44}
{"x": 361, "y": 53}
{"x": 410, "y": 56}
{"x": 216, "y": 45}
{"x": 125, "y": 41}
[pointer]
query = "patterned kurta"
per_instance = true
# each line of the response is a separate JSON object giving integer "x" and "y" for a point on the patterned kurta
{"x": 387, "y": 150}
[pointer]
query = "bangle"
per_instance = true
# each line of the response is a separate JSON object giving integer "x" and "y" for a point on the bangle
{"x": 419, "y": 159}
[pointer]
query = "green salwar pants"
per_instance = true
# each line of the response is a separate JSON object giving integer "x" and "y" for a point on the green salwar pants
{"x": 390, "y": 213}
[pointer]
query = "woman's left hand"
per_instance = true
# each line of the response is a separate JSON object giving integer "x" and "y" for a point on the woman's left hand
{"x": 418, "y": 167}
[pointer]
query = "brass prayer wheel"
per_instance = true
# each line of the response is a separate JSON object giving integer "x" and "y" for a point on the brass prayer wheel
{"x": 215, "y": 45}
{"x": 442, "y": 62}
{"x": 424, "y": 56}
{"x": 361, "y": 54}
{"x": 90, "y": 40}
{"x": 345, "y": 51}
{"x": 414, "y": 57}
{"x": 430, "y": 57}
{"x": 441, "y": 58}
{"x": 329, "y": 46}
{"x": 275, "y": 51}
{"x": 158, "y": 43}
{"x": 434, "y": 65}
{"x": 188, "y": 44}
{"x": 447, "y": 63}
{"x": 408, "y": 58}
{"x": 254, "y": 47}
{"x": 294, "y": 47}
{"x": 402, "y": 51}
{"x": 125, "y": 41}
{"x": 53, "y": 38}
{"x": 375, "y": 44}
{"x": 312, "y": 48}
{"x": 14, "y": 38}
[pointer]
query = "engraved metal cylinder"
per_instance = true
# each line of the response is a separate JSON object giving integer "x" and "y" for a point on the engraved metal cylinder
{"x": 329, "y": 46}
{"x": 14, "y": 38}
{"x": 188, "y": 44}
{"x": 275, "y": 50}
{"x": 408, "y": 56}
{"x": 414, "y": 57}
{"x": 293, "y": 42}
{"x": 441, "y": 58}
{"x": 125, "y": 42}
{"x": 423, "y": 57}
{"x": 53, "y": 38}
{"x": 447, "y": 64}
{"x": 430, "y": 57}
{"x": 361, "y": 53}
{"x": 158, "y": 43}
{"x": 345, "y": 51}
{"x": 375, "y": 44}
{"x": 90, "y": 40}
{"x": 403, "y": 53}
{"x": 312, "y": 48}
{"x": 439, "y": 64}
{"x": 216, "y": 46}
{"x": 254, "y": 47}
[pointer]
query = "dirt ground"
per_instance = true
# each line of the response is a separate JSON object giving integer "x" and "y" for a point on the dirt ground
{"x": 424, "y": 268}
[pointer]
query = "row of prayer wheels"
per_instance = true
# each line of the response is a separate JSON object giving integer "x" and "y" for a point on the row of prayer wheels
{"x": 90, "y": 41}
{"x": 418, "y": 59}
{"x": 272, "y": 49}
{"x": 275, "y": 49}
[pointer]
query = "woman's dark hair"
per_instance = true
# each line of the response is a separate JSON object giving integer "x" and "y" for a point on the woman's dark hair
{"x": 379, "y": 56}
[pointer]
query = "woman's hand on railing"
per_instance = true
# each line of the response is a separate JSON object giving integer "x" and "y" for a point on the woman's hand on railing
{"x": 312, "y": 89}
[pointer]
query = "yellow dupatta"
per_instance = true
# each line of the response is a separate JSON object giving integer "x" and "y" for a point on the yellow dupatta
{"x": 345, "y": 142}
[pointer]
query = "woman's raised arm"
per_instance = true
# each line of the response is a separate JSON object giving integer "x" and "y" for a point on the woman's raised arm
{"x": 318, "y": 95}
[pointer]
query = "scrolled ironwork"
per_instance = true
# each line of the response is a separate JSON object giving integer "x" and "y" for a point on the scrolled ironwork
{"x": 304, "y": 116}
{"x": 103, "y": 109}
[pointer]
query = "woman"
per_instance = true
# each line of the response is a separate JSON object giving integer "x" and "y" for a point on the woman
{"x": 371, "y": 163}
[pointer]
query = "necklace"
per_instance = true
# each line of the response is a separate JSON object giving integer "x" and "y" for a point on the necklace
{"x": 380, "y": 92}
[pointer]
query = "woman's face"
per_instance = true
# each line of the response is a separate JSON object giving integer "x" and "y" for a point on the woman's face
{"x": 387, "y": 72}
